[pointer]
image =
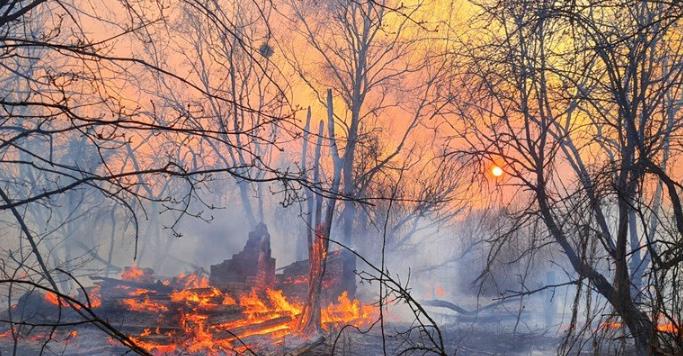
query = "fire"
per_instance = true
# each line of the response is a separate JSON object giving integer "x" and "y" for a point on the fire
{"x": 212, "y": 321}
{"x": 132, "y": 273}
{"x": 662, "y": 327}
{"x": 153, "y": 347}
{"x": 94, "y": 297}
{"x": 347, "y": 311}
{"x": 298, "y": 280}
{"x": 192, "y": 280}
{"x": 667, "y": 328}
{"x": 611, "y": 325}
{"x": 227, "y": 300}
{"x": 202, "y": 297}
{"x": 144, "y": 305}
{"x": 52, "y": 298}
{"x": 281, "y": 302}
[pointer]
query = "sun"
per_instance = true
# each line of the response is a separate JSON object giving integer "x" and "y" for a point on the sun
{"x": 496, "y": 171}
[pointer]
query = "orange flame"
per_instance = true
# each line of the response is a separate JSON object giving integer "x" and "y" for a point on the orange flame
{"x": 267, "y": 314}
{"x": 132, "y": 273}
{"x": 144, "y": 305}
{"x": 52, "y": 298}
{"x": 662, "y": 327}
{"x": 347, "y": 311}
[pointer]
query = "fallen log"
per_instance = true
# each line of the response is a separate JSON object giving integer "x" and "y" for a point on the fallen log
{"x": 253, "y": 329}
{"x": 107, "y": 282}
{"x": 452, "y": 306}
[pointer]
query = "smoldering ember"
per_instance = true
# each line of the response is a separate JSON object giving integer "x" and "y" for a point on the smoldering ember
{"x": 341, "y": 177}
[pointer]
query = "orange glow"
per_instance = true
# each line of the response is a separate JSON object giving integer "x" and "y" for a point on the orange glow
{"x": 611, "y": 325}
{"x": 269, "y": 314}
{"x": 210, "y": 320}
{"x": 496, "y": 171}
{"x": 144, "y": 305}
{"x": 52, "y": 298}
{"x": 667, "y": 327}
{"x": 347, "y": 311}
{"x": 94, "y": 296}
{"x": 133, "y": 273}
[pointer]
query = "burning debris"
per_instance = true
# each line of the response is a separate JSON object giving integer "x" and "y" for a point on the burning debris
{"x": 193, "y": 313}
{"x": 253, "y": 268}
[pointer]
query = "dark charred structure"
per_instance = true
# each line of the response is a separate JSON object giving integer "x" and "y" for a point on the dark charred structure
{"x": 339, "y": 277}
{"x": 251, "y": 268}
{"x": 254, "y": 268}
{"x": 240, "y": 297}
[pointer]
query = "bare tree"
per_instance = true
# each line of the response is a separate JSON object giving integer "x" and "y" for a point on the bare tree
{"x": 82, "y": 131}
{"x": 227, "y": 48}
{"x": 577, "y": 101}
{"x": 379, "y": 62}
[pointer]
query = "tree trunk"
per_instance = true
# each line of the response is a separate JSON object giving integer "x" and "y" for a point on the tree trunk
{"x": 310, "y": 322}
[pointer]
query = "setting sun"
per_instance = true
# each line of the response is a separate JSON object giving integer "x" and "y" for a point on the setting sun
{"x": 496, "y": 171}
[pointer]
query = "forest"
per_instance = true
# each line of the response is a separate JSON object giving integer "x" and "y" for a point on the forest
{"x": 341, "y": 177}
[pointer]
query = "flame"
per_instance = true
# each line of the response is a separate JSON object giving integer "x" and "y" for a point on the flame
{"x": 192, "y": 280}
{"x": 347, "y": 311}
{"x": 281, "y": 302}
{"x": 95, "y": 298}
{"x": 611, "y": 325}
{"x": 132, "y": 273}
{"x": 667, "y": 328}
{"x": 303, "y": 279}
{"x": 662, "y": 327}
{"x": 52, "y": 298}
{"x": 144, "y": 305}
{"x": 266, "y": 315}
{"x": 153, "y": 347}
{"x": 201, "y": 297}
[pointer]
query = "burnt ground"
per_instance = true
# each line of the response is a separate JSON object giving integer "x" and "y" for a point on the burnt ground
{"x": 460, "y": 341}
{"x": 468, "y": 340}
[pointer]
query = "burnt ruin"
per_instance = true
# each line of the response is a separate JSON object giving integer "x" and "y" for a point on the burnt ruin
{"x": 254, "y": 268}
{"x": 242, "y": 300}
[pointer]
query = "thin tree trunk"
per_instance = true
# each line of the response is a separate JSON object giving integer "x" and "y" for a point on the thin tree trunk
{"x": 310, "y": 322}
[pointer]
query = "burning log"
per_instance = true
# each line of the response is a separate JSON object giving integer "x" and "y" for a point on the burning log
{"x": 113, "y": 282}
{"x": 257, "y": 328}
